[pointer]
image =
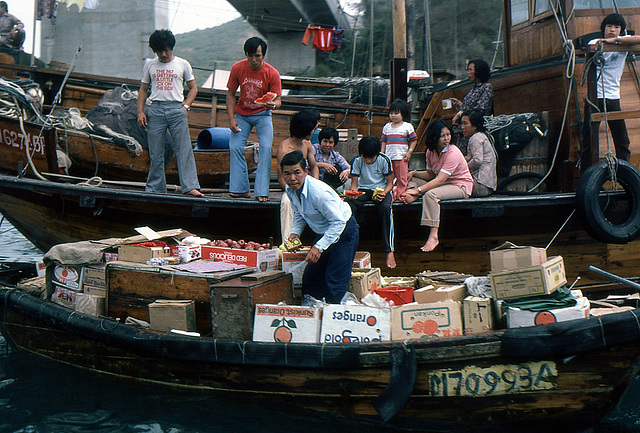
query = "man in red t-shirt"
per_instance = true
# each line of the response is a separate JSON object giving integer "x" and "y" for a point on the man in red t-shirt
{"x": 255, "y": 77}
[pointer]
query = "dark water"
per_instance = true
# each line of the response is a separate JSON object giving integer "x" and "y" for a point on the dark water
{"x": 40, "y": 396}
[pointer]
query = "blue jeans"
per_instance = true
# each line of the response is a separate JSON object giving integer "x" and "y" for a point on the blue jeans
{"x": 329, "y": 277}
{"x": 239, "y": 176}
{"x": 165, "y": 115}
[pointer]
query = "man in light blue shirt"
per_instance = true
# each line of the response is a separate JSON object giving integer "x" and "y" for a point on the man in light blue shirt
{"x": 315, "y": 204}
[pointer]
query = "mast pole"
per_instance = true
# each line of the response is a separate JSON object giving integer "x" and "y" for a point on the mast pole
{"x": 399, "y": 64}
{"x": 33, "y": 46}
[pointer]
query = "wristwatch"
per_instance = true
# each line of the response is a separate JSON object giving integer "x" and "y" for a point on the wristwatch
{"x": 618, "y": 39}
{"x": 320, "y": 250}
{"x": 187, "y": 107}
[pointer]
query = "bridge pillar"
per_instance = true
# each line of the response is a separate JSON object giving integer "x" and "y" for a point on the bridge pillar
{"x": 287, "y": 54}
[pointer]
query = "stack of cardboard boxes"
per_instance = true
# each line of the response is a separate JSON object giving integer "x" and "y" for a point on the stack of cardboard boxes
{"x": 520, "y": 272}
{"x": 82, "y": 288}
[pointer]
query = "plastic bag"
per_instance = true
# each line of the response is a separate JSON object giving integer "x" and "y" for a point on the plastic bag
{"x": 349, "y": 299}
{"x": 479, "y": 286}
{"x": 310, "y": 301}
{"x": 375, "y": 300}
{"x": 297, "y": 271}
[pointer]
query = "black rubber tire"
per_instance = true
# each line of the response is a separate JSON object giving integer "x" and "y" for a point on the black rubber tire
{"x": 590, "y": 201}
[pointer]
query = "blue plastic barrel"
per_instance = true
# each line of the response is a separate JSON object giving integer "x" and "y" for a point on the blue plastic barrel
{"x": 213, "y": 138}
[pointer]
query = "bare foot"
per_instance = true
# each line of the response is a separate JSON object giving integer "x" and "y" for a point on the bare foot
{"x": 430, "y": 245}
{"x": 195, "y": 193}
{"x": 391, "y": 260}
{"x": 240, "y": 194}
{"x": 262, "y": 199}
{"x": 406, "y": 197}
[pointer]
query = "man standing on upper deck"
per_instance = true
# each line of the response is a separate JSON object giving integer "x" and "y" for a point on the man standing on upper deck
{"x": 608, "y": 89}
{"x": 256, "y": 78}
{"x": 11, "y": 28}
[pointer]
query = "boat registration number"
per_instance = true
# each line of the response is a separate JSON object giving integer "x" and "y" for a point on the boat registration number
{"x": 495, "y": 380}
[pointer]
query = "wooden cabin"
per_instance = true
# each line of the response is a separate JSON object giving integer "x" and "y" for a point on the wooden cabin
{"x": 537, "y": 77}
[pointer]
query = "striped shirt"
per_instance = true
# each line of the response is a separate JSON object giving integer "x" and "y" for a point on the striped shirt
{"x": 397, "y": 140}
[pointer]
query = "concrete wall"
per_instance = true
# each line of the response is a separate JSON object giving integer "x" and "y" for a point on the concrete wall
{"x": 287, "y": 54}
{"x": 115, "y": 37}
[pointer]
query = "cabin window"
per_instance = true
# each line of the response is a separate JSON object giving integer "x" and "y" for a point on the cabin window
{"x": 519, "y": 11}
{"x": 602, "y": 4}
{"x": 542, "y": 6}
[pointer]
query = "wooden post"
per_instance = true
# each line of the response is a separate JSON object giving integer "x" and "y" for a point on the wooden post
{"x": 594, "y": 127}
{"x": 399, "y": 65}
{"x": 214, "y": 97}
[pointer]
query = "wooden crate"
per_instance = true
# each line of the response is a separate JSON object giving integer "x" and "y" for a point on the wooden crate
{"x": 131, "y": 287}
{"x": 233, "y": 301}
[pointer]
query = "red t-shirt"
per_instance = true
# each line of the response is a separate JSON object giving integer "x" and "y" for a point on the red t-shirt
{"x": 253, "y": 84}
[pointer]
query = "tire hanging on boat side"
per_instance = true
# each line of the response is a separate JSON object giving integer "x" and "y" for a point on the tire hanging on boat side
{"x": 589, "y": 200}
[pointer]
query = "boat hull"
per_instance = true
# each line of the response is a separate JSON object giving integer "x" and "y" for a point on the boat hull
{"x": 49, "y": 213}
{"x": 347, "y": 380}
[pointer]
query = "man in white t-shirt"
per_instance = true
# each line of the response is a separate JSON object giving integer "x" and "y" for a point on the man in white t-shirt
{"x": 166, "y": 75}
{"x": 608, "y": 89}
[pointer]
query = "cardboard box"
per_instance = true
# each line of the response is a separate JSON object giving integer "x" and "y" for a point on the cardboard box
{"x": 168, "y": 314}
{"x": 532, "y": 281}
{"x": 41, "y": 269}
{"x": 362, "y": 260}
{"x": 90, "y": 304}
{"x": 290, "y": 259}
{"x": 66, "y": 276}
{"x": 110, "y": 257}
{"x": 94, "y": 276}
{"x": 287, "y": 323}
{"x": 263, "y": 260}
{"x": 187, "y": 253}
{"x": 63, "y": 296}
{"x": 478, "y": 317}
{"x": 430, "y": 294}
{"x": 355, "y": 324}
{"x": 438, "y": 319}
{"x": 364, "y": 281}
{"x": 137, "y": 254}
{"x": 517, "y": 318}
{"x": 509, "y": 256}
{"x": 95, "y": 291}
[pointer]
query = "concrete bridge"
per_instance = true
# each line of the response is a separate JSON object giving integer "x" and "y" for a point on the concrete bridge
{"x": 283, "y": 24}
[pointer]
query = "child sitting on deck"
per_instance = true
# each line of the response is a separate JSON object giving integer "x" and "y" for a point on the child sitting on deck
{"x": 371, "y": 173}
{"x": 301, "y": 126}
{"x": 333, "y": 168}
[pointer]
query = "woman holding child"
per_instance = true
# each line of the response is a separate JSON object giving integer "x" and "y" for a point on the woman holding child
{"x": 447, "y": 177}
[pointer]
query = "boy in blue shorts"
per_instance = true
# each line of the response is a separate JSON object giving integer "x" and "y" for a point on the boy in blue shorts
{"x": 372, "y": 174}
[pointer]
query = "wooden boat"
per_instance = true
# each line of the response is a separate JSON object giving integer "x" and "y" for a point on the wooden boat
{"x": 94, "y": 155}
{"x": 52, "y": 212}
{"x": 562, "y": 376}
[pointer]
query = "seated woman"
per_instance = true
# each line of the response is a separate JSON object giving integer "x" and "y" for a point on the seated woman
{"x": 481, "y": 155}
{"x": 446, "y": 177}
{"x": 480, "y": 98}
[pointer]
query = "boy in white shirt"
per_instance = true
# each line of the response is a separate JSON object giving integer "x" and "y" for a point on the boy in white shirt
{"x": 613, "y": 28}
{"x": 166, "y": 75}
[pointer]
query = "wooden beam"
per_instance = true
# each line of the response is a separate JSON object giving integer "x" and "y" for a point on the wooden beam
{"x": 615, "y": 115}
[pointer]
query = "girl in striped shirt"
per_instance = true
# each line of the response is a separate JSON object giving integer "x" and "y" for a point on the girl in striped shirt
{"x": 399, "y": 140}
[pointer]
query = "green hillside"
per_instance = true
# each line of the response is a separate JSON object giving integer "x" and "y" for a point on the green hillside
{"x": 460, "y": 30}
{"x": 220, "y": 46}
